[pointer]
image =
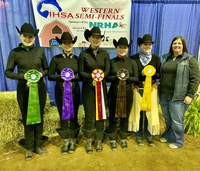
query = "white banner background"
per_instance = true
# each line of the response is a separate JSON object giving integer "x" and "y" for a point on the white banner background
{"x": 53, "y": 17}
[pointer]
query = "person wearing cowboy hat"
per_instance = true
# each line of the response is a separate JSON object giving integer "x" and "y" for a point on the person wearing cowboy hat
{"x": 143, "y": 58}
{"x": 26, "y": 57}
{"x": 90, "y": 59}
{"x": 69, "y": 128}
{"x": 129, "y": 68}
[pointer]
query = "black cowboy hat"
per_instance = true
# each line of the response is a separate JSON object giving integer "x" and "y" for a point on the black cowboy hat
{"x": 66, "y": 37}
{"x": 27, "y": 28}
{"x": 121, "y": 41}
{"x": 94, "y": 31}
{"x": 147, "y": 38}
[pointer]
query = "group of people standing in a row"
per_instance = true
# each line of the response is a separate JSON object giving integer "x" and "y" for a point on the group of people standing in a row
{"x": 178, "y": 76}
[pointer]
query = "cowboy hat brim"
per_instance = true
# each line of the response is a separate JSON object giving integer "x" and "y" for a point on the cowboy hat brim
{"x": 35, "y": 32}
{"x": 140, "y": 41}
{"x": 115, "y": 43}
{"x": 75, "y": 39}
{"x": 60, "y": 41}
{"x": 87, "y": 34}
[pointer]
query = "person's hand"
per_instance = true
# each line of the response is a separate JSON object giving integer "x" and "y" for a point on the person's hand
{"x": 41, "y": 75}
{"x": 135, "y": 86}
{"x": 187, "y": 100}
{"x": 25, "y": 76}
{"x": 28, "y": 84}
{"x": 73, "y": 77}
{"x": 143, "y": 73}
{"x": 94, "y": 83}
{"x": 143, "y": 82}
{"x": 120, "y": 78}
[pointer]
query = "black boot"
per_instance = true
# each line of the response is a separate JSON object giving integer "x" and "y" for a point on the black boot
{"x": 88, "y": 146}
{"x": 28, "y": 155}
{"x": 124, "y": 144}
{"x": 40, "y": 151}
{"x": 72, "y": 146}
{"x": 150, "y": 142}
{"x": 113, "y": 145}
{"x": 98, "y": 142}
{"x": 65, "y": 146}
{"x": 99, "y": 146}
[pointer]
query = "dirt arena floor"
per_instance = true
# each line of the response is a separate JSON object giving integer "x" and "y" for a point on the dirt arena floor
{"x": 135, "y": 158}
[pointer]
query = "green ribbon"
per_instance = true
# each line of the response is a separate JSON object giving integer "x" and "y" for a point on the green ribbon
{"x": 33, "y": 111}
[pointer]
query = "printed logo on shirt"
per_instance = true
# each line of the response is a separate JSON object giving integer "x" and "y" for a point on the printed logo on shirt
{"x": 184, "y": 63}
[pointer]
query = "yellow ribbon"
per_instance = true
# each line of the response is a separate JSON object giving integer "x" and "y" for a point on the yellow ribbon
{"x": 148, "y": 71}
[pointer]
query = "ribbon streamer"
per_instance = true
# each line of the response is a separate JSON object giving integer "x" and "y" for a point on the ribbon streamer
{"x": 123, "y": 75}
{"x": 67, "y": 75}
{"x": 98, "y": 76}
{"x": 148, "y": 71}
{"x": 33, "y": 111}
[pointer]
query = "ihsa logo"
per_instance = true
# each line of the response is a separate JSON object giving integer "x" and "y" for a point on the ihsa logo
{"x": 45, "y": 13}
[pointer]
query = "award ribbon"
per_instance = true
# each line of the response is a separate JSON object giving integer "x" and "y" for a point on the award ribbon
{"x": 123, "y": 75}
{"x": 148, "y": 71}
{"x": 67, "y": 75}
{"x": 33, "y": 111}
{"x": 98, "y": 76}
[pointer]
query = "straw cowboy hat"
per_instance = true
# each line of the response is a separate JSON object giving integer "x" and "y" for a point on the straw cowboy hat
{"x": 94, "y": 31}
{"x": 122, "y": 41}
{"x": 147, "y": 38}
{"x": 66, "y": 37}
{"x": 27, "y": 28}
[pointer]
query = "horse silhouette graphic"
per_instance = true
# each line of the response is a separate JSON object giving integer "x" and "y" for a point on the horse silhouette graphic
{"x": 45, "y": 13}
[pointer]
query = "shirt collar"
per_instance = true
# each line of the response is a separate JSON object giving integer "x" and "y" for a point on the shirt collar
{"x": 121, "y": 59}
{"x": 66, "y": 56}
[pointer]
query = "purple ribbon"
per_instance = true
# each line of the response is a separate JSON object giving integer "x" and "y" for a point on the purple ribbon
{"x": 67, "y": 107}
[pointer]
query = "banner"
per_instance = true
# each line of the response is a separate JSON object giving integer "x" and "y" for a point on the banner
{"x": 53, "y": 17}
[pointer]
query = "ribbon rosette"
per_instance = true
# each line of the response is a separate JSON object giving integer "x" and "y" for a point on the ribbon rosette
{"x": 67, "y": 75}
{"x": 123, "y": 75}
{"x": 148, "y": 71}
{"x": 98, "y": 76}
{"x": 33, "y": 111}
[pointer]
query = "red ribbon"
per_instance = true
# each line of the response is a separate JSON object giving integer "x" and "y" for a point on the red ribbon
{"x": 98, "y": 76}
{"x": 99, "y": 99}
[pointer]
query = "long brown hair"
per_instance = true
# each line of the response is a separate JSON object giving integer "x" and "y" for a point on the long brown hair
{"x": 185, "y": 49}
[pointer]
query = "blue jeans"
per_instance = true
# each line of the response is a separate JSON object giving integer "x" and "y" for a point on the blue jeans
{"x": 173, "y": 113}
